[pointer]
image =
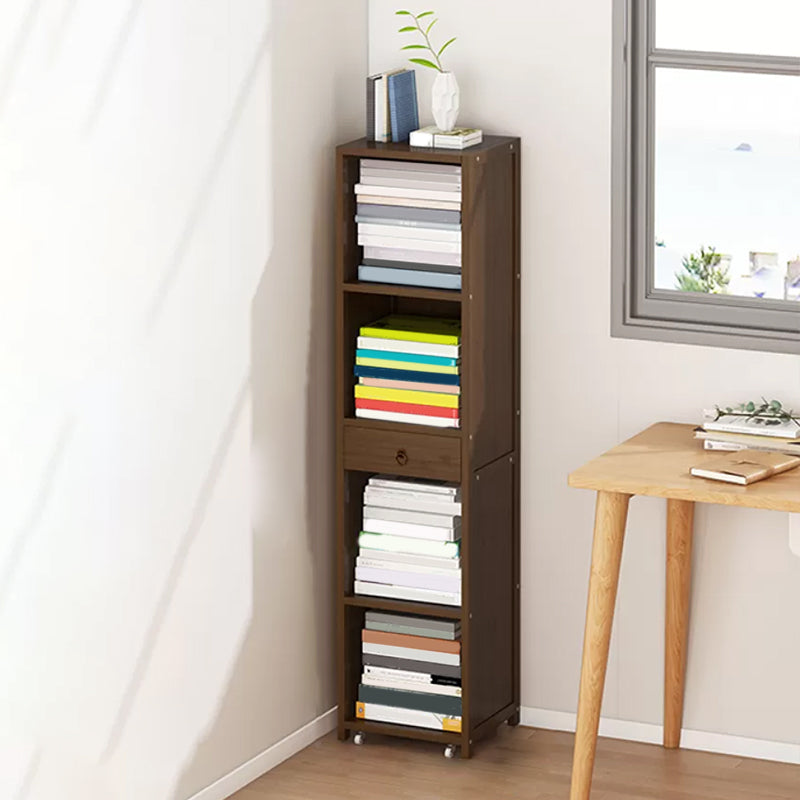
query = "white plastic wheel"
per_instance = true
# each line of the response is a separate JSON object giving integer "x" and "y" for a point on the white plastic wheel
{"x": 358, "y": 738}
{"x": 450, "y": 751}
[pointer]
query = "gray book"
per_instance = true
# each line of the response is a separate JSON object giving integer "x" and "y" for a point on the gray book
{"x": 389, "y": 628}
{"x": 428, "y": 623}
{"x": 412, "y": 665}
{"x": 378, "y": 262}
{"x": 409, "y": 277}
{"x": 409, "y": 213}
{"x": 420, "y": 701}
{"x": 408, "y": 223}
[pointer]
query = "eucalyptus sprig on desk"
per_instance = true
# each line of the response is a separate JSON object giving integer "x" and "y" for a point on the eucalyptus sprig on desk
{"x": 767, "y": 412}
{"x": 425, "y": 33}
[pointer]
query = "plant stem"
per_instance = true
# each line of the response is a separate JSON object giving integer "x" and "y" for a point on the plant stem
{"x": 428, "y": 42}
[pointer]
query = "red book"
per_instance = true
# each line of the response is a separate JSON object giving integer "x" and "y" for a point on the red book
{"x": 407, "y": 408}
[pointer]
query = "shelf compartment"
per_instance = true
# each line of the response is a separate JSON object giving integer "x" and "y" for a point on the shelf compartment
{"x": 396, "y": 290}
{"x": 403, "y": 606}
{"x": 407, "y": 731}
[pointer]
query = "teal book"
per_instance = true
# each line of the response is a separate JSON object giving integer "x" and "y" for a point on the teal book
{"x": 411, "y": 358}
{"x": 403, "y": 110}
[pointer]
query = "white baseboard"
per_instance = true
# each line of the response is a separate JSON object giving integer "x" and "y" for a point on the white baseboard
{"x": 271, "y": 757}
{"x": 652, "y": 734}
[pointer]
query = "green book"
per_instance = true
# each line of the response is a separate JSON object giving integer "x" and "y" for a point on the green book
{"x": 430, "y": 330}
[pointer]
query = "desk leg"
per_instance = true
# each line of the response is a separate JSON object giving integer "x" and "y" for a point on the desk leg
{"x": 609, "y": 532}
{"x": 680, "y": 517}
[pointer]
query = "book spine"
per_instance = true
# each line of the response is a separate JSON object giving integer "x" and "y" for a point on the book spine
{"x": 410, "y": 640}
{"x": 412, "y": 546}
{"x": 406, "y": 593}
{"x": 433, "y": 378}
{"x": 408, "y": 233}
{"x": 410, "y": 686}
{"x": 410, "y": 166}
{"x": 408, "y": 214}
{"x": 405, "y": 366}
{"x": 391, "y": 628}
{"x": 411, "y": 358}
{"x": 412, "y": 516}
{"x": 412, "y": 419}
{"x": 402, "y": 396}
{"x": 420, "y": 348}
{"x": 371, "y": 109}
{"x": 401, "y": 243}
{"x": 414, "y": 700}
{"x": 406, "y": 408}
{"x": 409, "y": 194}
{"x": 406, "y": 499}
{"x": 414, "y": 256}
{"x": 406, "y": 716}
{"x": 390, "y": 662}
{"x": 421, "y": 678}
{"x": 413, "y": 653}
{"x": 405, "y": 202}
{"x": 380, "y": 383}
{"x": 409, "y": 530}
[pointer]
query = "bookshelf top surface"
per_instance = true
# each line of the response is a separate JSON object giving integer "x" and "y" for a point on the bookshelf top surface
{"x": 364, "y": 148}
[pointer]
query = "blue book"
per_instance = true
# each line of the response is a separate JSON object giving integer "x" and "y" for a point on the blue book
{"x": 406, "y": 375}
{"x": 403, "y": 112}
{"x": 438, "y": 361}
{"x": 410, "y": 277}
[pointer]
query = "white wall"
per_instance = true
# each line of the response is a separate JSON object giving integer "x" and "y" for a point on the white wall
{"x": 165, "y": 282}
{"x": 541, "y": 70}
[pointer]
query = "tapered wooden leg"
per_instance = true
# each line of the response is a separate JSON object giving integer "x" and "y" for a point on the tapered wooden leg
{"x": 680, "y": 517}
{"x": 609, "y": 532}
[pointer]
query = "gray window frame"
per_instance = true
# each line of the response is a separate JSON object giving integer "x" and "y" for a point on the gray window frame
{"x": 638, "y": 309}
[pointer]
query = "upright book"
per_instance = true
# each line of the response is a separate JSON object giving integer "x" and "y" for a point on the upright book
{"x": 403, "y": 104}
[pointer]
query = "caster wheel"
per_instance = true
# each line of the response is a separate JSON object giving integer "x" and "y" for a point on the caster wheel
{"x": 450, "y": 751}
{"x": 358, "y": 738}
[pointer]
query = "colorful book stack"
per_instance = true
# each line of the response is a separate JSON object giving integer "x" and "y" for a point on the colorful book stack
{"x": 409, "y": 223}
{"x": 410, "y": 540}
{"x": 408, "y": 370}
{"x": 412, "y": 671}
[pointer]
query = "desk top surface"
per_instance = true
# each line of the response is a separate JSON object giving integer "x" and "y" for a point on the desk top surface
{"x": 657, "y": 461}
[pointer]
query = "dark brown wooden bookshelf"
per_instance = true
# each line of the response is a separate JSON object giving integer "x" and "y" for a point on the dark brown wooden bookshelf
{"x": 483, "y": 454}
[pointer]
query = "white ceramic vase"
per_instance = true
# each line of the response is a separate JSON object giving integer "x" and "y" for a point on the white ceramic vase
{"x": 445, "y": 101}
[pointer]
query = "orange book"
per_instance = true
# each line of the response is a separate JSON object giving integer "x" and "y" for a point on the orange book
{"x": 408, "y": 640}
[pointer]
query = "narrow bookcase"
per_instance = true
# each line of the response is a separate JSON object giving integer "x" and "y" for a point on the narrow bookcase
{"x": 482, "y": 455}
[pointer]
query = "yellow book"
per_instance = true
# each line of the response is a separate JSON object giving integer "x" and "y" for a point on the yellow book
{"x": 431, "y": 330}
{"x": 408, "y": 396}
{"x": 407, "y": 365}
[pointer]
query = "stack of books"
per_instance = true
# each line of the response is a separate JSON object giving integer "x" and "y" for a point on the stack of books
{"x": 733, "y": 434}
{"x": 408, "y": 370}
{"x": 409, "y": 223}
{"x": 412, "y": 671}
{"x": 392, "y": 111}
{"x": 409, "y": 544}
{"x": 457, "y": 139}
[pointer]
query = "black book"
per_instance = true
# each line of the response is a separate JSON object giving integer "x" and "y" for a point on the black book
{"x": 371, "y": 106}
{"x": 419, "y": 701}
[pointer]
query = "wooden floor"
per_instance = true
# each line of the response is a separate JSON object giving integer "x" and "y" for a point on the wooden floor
{"x": 519, "y": 764}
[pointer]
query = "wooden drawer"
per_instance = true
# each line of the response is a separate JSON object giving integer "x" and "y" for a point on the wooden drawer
{"x": 417, "y": 455}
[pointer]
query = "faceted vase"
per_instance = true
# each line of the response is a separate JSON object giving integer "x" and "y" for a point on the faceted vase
{"x": 445, "y": 100}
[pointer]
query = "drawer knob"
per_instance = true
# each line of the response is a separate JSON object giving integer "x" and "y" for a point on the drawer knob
{"x": 401, "y": 457}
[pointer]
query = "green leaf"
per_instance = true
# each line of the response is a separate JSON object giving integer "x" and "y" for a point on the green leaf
{"x": 430, "y": 26}
{"x": 407, "y": 28}
{"x": 423, "y": 62}
{"x": 446, "y": 44}
{"x": 424, "y": 14}
{"x": 404, "y": 13}
{"x": 414, "y": 47}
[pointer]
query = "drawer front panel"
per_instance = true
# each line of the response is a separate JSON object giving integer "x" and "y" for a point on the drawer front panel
{"x": 397, "y": 453}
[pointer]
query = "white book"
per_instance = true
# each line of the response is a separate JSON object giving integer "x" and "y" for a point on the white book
{"x": 408, "y": 716}
{"x": 417, "y": 348}
{"x": 402, "y": 242}
{"x": 406, "y": 182}
{"x": 413, "y": 256}
{"x": 408, "y": 233}
{"x": 410, "y": 166}
{"x": 438, "y": 582}
{"x": 406, "y": 593}
{"x": 389, "y": 673}
{"x": 405, "y": 544}
{"x": 414, "y": 419}
{"x": 412, "y": 531}
{"x": 414, "y": 501}
{"x": 416, "y": 485}
{"x": 381, "y": 200}
{"x": 382, "y": 132}
{"x": 403, "y": 568}
{"x": 413, "y": 653}
{"x": 388, "y": 558}
{"x": 784, "y": 429}
{"x": 409, "y": 194}
{"x": 411, "y": 686}
{"x": 413, "y": 517}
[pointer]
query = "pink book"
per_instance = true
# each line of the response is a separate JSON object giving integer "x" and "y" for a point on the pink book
{"x": 383, "y": 383}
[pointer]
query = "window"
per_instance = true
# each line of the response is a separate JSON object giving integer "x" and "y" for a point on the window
{"x": 706, "y": 161}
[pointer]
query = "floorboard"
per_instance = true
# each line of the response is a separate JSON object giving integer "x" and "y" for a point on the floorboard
{"x": 517, "y": 764}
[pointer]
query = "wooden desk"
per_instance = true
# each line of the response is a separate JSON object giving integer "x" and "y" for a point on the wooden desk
{"x": 655, "y": 462}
